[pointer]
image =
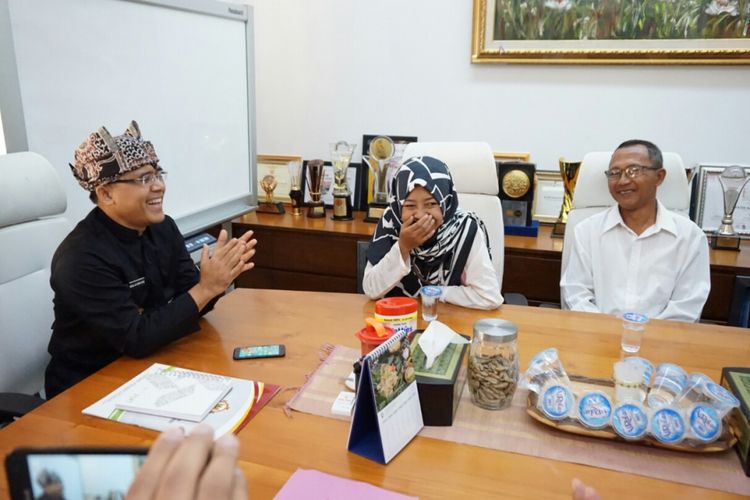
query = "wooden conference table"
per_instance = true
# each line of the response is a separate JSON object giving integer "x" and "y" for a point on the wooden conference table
{"x": 274, "y": 445}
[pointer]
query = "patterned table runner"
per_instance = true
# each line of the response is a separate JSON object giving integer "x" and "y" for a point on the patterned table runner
{"x": 514, "y": 431}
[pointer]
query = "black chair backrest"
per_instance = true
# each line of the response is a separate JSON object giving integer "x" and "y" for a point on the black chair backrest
{"x": 362, "y": 247}
{"x": 739, "y": 312}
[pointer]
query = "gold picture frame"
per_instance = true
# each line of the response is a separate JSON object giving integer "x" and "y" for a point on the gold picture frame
{"x": 503, "y": 156}
{"x": 278, "y": 166}
{"x": 548, "y": 196}
{"x": 571, "y": 38}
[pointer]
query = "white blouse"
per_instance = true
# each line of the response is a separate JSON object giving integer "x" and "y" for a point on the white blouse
{"x": 479, "y": 287}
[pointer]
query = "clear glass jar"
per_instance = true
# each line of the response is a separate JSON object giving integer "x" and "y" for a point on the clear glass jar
{"x": 493, "y": 363}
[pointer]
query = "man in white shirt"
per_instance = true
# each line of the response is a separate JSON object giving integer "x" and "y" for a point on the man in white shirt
{"x": 637, "y": 255}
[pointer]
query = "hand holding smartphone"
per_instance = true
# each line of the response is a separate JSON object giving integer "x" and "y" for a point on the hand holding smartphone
{"x": 193, "y": 466}
{"x": 72, "y": 472}
{"x": 260, "y": 351}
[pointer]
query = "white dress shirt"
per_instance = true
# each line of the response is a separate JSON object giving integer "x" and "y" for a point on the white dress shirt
{"x": 663, "y": 273}
{"x": 479, "y": 289}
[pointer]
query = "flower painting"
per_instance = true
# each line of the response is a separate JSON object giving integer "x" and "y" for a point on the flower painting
{"x": 391, "y": 372}
{"x": 612, "y": 31}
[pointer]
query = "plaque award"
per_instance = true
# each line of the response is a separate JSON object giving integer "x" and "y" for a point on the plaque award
{"x": 378, "y": 161}
{"x": 341, "y": 156}
{"x": 315, "y": 207}
{"x": 295, "y": 190}
{"x": 268, "y": 183}
{"x": 733, "y": 180}
{"x": 516, "y": 192}
{"x": 569, "y": 171}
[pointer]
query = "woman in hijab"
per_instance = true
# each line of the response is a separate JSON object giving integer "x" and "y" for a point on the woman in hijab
{"x": 423, "y": 238}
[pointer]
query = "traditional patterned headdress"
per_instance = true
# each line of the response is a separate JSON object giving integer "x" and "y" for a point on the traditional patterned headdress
{"x": 102, "y": 158}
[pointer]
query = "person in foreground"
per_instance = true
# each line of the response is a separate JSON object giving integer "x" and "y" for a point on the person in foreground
{"x": 195, "y": 467}
{"x": 123, "y": 280}
{"x": 637, "y": 255}
{"x": 423, "y": 238}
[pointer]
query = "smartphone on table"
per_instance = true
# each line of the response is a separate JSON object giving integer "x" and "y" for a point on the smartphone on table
{"x": 260, "y": 351}
{"x": 72, "y": 472}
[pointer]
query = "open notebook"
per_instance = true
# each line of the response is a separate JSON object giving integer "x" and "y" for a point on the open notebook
{"x": 241, "y": 403}
{"x": 168, "y": 391}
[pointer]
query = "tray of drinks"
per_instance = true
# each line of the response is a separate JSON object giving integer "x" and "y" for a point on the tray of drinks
{"x": 572, "y": 422}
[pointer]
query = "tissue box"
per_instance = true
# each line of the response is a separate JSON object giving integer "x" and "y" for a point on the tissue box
{"x": 737, "y": 380}
{"x": 440, "y": 387}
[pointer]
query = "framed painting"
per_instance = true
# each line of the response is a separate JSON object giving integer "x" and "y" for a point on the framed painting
{"x": 709, "y": 201}
{"x": 278, "y": 167}
{"x": 548, "y": 196}
{"x": 611, "y": 31}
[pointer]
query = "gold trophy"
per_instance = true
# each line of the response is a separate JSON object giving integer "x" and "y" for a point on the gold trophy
{"x": 569, "y": 171}
{"x": 268, "y": 183}
{"x": 295, "y": 190}
{"x": 341, "y": 156}
{"x": 315, "y": 207}
{"x": 733, "y": 180}
{"x": 381, "y": 150}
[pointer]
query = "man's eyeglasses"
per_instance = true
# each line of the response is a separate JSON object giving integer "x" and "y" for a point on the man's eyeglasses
{"x": 631, "y": 171}
{"x": 146, "y": 179}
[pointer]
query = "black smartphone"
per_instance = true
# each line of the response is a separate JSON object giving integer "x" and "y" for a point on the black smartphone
{"x": 260, "y": 351}
{"x": 72, "y": 472}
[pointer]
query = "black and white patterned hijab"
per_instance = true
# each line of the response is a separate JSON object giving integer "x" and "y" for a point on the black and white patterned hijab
{"x": 441, "y": 259}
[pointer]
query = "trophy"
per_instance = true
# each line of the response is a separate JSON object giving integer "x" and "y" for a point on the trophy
{"x": 516, "y": 192}
{"x": 381, "y": 150}
{"x": 268, "y": 183}
{"x": 341, "y": 155}
{"x": 690, "y": 173}
{"x": 733, "y": 180}
{"x": 569, "y": 172}
{"x": 315, "y": 207}
{"x": 295, "y": 192}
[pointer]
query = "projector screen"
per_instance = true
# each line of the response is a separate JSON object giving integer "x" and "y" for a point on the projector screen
{"x": 184, "y": 70}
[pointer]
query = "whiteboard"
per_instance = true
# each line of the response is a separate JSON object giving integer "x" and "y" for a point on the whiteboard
{"x": 184, "y": 70}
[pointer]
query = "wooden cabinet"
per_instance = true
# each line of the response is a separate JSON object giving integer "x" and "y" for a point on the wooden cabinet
{"x": 298, "y": 253}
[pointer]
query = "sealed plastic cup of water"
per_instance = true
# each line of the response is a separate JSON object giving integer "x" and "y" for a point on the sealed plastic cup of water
{"x": 633, "y": 326}
{"x": 430, "y": 297}
{"x": 694, "y": 389}
{"x": 629, "y": 384}
{"x": 544, "y": 367}
{"x": 669, "y": 384}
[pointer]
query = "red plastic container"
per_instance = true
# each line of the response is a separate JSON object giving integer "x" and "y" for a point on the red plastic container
{"x": 400, "y": 313}
{"x": 369, "y": 340}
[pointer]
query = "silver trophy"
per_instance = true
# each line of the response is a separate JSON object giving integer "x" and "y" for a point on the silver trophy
{"x": 341, "y": 156}
{"x": 732, "y": 180}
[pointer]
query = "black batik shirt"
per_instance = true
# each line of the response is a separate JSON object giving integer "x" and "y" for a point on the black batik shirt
{"x": 117, "y": 292}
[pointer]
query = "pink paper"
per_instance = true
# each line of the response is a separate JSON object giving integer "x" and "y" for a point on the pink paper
{"x": 313, "y": 484}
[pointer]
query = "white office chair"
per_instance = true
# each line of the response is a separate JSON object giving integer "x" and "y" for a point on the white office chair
{"x": 591, "y": 194}
{"x": 32, "y": 200}
{"x": 475, "y": 179}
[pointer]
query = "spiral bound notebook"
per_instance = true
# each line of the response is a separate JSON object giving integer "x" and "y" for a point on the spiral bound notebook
{"x": 387, "y": 414}
{"x": 168, "y": 391}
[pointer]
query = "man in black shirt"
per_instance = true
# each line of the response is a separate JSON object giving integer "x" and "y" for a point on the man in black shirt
{"x": 123, "y": 280}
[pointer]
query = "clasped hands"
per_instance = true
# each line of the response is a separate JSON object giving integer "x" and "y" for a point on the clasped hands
{"x": 231, "y": 257}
